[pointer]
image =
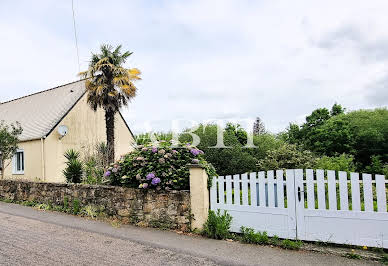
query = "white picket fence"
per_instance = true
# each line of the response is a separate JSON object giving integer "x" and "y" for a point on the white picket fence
{"x": 313, "y": 205}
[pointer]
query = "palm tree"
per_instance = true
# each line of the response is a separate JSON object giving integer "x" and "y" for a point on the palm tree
{"x": 110, "y": 86}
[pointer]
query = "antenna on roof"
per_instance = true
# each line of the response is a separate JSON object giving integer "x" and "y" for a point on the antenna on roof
{"x": 75, "y": 35}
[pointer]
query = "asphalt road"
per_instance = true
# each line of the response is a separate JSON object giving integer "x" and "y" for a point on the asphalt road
{"x": 32, "y": 237}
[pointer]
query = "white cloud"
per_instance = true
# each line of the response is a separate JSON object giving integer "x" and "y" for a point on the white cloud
{"x": 208, "y": 59}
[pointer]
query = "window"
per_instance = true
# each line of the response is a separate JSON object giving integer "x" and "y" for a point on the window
{"x": 18, "y": 162}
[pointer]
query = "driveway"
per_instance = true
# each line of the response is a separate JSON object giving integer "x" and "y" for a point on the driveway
{"x": 32, "y": 237}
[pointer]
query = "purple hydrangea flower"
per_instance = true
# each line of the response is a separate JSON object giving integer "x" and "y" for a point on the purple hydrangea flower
{"x": 195, "y": 161}
{"x": 155, "y": 181}
{"x": 150, "y": 176}
{"x": 195, "y": 152}
{"x": 107, "y": 173}
{"x": 145, "y": 185}
{"x": 154, "y": 149}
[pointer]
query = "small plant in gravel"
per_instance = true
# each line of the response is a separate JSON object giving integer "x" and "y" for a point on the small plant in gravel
{"x": 251, "y": 237}
{"x": 89, "y": 211}
{"x": 217, "y": 225}
{"x": 352, "y": 255}
{"x": 384, "y": 259}
{"x": 289, "y": 244}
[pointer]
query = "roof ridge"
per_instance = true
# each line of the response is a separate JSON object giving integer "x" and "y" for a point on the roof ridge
{"x": 35, "y": 93}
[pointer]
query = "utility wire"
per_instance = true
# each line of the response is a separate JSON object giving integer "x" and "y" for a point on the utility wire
{"x": 75, "y": 35}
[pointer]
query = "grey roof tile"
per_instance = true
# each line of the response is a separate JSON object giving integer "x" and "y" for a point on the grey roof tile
{"x": 39, "y": 113}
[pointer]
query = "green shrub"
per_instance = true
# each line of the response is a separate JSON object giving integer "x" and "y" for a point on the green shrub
{"x": 343, "y": 162}
{"x": 288, "y": 156}
{"x": 289, "y": 244}
{"x": 217, "y": 225}
{"x": 249, "y": 236}
{"x": 162, "y": 167}
{"x": 74, "y": 168}
{"x": 76, "y": 206}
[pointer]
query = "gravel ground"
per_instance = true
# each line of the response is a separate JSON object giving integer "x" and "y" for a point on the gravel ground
{"x": 32, "y": 237}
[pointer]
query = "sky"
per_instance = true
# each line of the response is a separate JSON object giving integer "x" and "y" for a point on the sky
{"x": 204, "y": 60}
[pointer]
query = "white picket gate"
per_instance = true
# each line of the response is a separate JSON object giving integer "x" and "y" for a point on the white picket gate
{"x": 314, "y": 205}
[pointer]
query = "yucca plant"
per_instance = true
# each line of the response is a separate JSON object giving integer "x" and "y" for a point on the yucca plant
{"x": 74, "y": 167}
{"x": 110, "y": 86}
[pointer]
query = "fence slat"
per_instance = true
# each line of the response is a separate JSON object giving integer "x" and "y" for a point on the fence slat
{"x": 380, "y": 192}
{"x": 221, "y": 190}
{"x": 262, "y": 189}
{"x": 368, "y": 196}
{"x": 321, "y": 189}
{"x": 244, "y": 189}
{"x": 236, "y": 180}
{"x": 271, "y": 195}
{"x": 253, "y": 182}
{"x": 355, "y": 181}
{"x": 228, "y": 189}
{"x": 310, "y": 189}
{"x": 280, "y": 188}
{"x": 332, "y": 190}
{"x": 213, "y": 192}
{"x": 343, "y": 187}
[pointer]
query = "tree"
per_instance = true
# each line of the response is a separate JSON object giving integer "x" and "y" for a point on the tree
{"x": 9, "y": 138}
{"x": 258, "y": 127}
{"x": 110, "y": 86}
{"x": 337, "y": 109}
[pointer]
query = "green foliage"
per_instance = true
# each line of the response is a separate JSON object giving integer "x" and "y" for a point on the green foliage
{"x": 76, "y": 206}
{"x": 384, "y": 259}
{"x": 377, "y": 166}
{"x": 89, "y": 211}
{"x": 231, "y": 160}
{"x": 217, "y": 225}
{"x": 362, "y": 134}
{"x": 74, "y": 168}
{"x": 342, "y": 162}
{"x": 249, "y": 236}
{"x": 65, "y": 202}
{"x": 289, "y": 244}
{"x": 94, "y": 162}
{"x": 288, "y": 156}
{"x": 9, "y": 138}
{"x": 162, "y": 167}
{"x": 145, "y": 138}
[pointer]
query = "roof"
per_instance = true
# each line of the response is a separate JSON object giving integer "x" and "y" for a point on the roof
{"x": 39, "y": 113}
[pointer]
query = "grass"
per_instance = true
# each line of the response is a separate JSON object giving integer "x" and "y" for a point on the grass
{"x": 249, "y": 236}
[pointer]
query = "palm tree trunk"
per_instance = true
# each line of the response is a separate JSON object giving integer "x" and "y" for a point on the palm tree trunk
{"x": 110, "y": 134}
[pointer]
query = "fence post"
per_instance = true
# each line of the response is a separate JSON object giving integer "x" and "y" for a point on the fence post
{"x": 199, "y": 196}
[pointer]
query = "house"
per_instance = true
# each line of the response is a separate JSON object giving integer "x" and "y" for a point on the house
{"x": 44, "y": 116}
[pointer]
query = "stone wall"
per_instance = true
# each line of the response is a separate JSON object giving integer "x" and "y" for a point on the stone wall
{"x": 146, "y": 207}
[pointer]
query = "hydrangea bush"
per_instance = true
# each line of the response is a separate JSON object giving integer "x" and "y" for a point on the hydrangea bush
{"x": 157, "y": 166}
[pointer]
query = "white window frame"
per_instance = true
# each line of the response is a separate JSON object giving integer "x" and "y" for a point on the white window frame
{"x": 15, "y": 171}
